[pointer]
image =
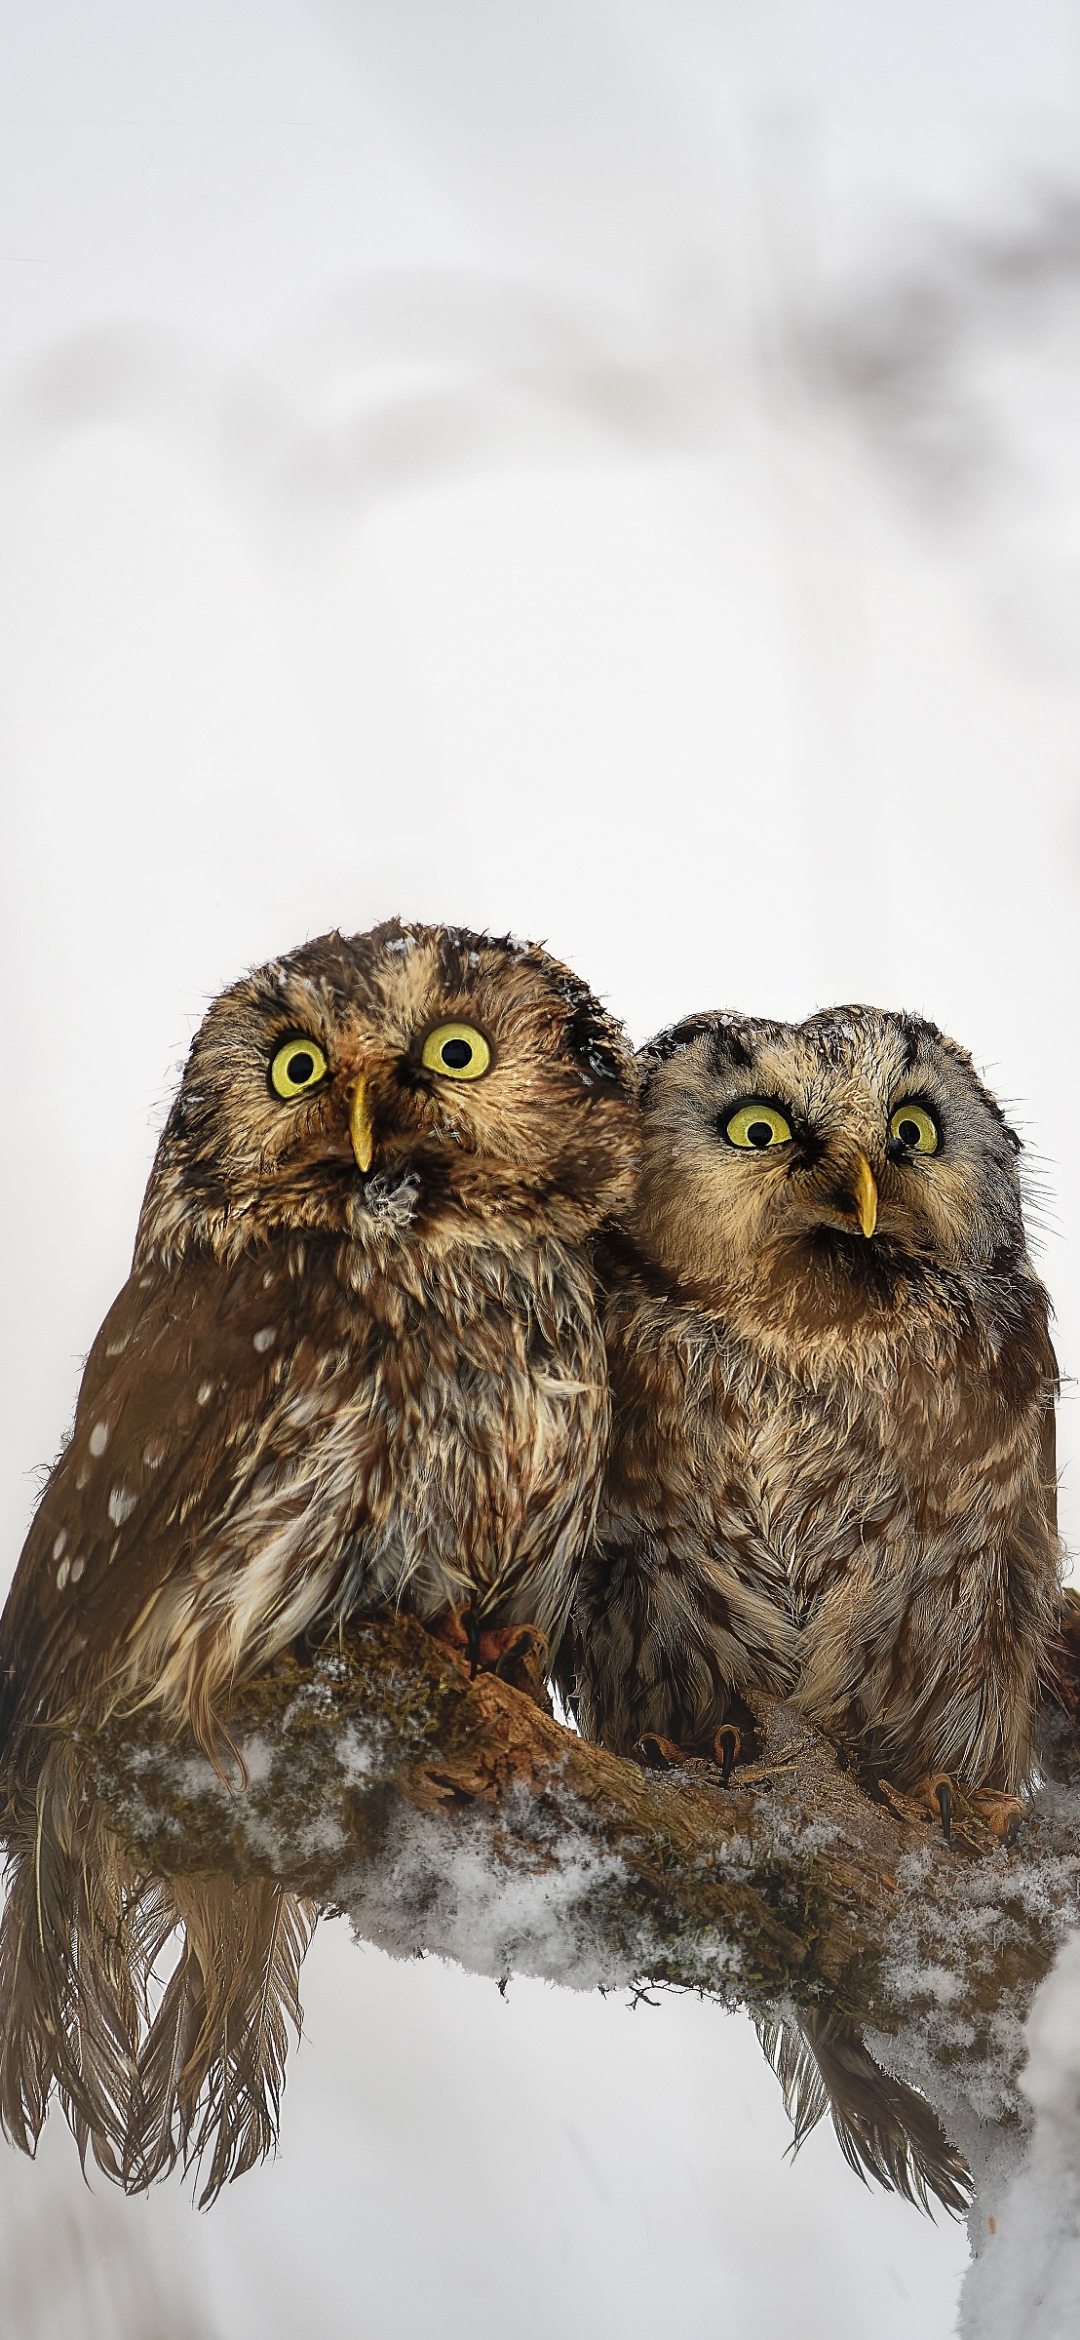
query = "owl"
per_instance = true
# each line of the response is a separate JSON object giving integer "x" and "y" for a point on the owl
{"x": 833, "y": 1387}
{"x": 357, "y": 1361}
{"x": 832, "y": 1467}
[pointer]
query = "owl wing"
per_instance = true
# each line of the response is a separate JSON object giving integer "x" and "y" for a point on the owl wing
{"x": 193, "y": 1393}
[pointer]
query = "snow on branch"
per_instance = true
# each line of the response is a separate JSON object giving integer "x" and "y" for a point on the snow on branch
{"x": 452, "y": 1815}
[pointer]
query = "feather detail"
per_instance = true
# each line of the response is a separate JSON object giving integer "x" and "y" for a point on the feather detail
{"x": 212, "y": 2067}
{"x": 155, "y": 2136}
{"x": 72, "y": 1982}
{"x": 81, "y": 1938}
{"x": 885, "y": 2129}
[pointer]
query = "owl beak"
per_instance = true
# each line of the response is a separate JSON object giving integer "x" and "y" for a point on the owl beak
{"x": 864, "y": 1194}
{"x": 360, "y": 1129}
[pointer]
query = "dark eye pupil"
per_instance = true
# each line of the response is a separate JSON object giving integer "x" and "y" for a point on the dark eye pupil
{"x": 760, "y": 1133}
{"x": 300, "y": 1068}
{"x": 908, "y": 1133}
{"x": 456, "y": 1053}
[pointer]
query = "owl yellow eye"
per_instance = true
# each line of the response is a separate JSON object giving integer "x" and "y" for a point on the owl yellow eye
{"x": 757, "y": 1126}
{"x": 457, "y": 1049}
{"x": 298, "y": 1065}
{"x": 913, "y": 1126}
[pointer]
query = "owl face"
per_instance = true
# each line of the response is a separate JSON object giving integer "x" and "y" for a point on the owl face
{"x": 414, "y": 1077}
{"x": 826, "y": 1159}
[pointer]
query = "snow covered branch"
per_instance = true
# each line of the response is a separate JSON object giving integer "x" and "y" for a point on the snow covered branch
{"x": 457, "y": 1816}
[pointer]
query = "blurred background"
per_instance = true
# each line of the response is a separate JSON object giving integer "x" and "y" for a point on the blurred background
{"x": 609, "y": 469}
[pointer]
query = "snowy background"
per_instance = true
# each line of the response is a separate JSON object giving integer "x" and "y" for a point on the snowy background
{"x": 608, "y": 468}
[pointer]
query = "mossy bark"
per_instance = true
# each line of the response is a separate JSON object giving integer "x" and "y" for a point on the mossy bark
{"x": 382, "y": 1760}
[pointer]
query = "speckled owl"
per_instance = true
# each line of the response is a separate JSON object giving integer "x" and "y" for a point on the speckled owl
{"x": 833, "y": 1382}
{"x": 357, "y": 1361}
{"x": 833, "y": 1453}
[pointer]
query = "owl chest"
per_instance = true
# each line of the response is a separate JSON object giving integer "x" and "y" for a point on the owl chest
{"x": 491, "y": 1440}
{"x": 474, "y": 1441}
{"x": 825, "y": 1476}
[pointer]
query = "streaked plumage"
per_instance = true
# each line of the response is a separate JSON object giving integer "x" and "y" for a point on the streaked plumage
{"x": 833, "y": 1393}
{"x": 357, "y": 1361}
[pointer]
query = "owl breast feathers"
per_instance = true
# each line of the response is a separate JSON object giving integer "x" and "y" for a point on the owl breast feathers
{"x": 833, "y": 1387}
{"x": 358, "y": 1360}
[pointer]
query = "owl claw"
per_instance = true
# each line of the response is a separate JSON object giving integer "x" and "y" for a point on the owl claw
{"x": 936, "y": 1793}
{"x": 658, "y": 1754}
{"x": 460, "y": 1628}
{"x": 974, "y": 1813}
{"x": 944, "y": 1805}
{"x": 519, "y": 1646}
{"x": 518, "y": 1654}
{"x": 998, "y": 1812}
{"x": 495, "y": 1649}
{"x": 727, "y": 1742}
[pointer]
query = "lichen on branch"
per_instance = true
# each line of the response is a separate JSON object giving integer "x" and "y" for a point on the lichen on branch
{"x": 456, "y": 1815}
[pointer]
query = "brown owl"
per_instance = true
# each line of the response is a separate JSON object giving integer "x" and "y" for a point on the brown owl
{"x": 832, "y": 1378}
{"x": 833, "y": 1392}
{"x": 357, "y": 1361}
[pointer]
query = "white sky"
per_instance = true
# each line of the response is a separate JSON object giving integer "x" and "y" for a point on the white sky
{"x": 435, "y": 476}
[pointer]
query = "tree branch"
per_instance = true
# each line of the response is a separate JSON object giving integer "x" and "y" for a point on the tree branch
{"x": 457, "y": 1816}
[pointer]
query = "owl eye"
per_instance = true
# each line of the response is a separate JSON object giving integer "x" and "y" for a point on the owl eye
{"x": 757, "y": 1126}
{"x": 457, "y": 1049}
{"x": 914, "y": 1126}
{"x": 298, "y": 1065}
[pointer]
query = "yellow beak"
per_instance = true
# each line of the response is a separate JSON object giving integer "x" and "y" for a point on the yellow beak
{"x": 360, "y": 1129}
{"x": 864, "y": 1190}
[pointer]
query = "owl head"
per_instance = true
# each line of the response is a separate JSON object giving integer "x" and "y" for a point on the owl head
{"x": 805, "y": 1175}
{"x": 415, "y": 1080}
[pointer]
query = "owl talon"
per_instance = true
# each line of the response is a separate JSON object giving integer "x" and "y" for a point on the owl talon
{"x": 727, "y": 1743}
{"x": 999, "y": 1813}
{"x": 520, "y": 1655}
{"x": 505, "y": 1650}
{"x": 658, "y": 1754}
{"x": 937, "y": 1795}
{"x": 460, "y": 1629}
{"x": 507, "y": 1659}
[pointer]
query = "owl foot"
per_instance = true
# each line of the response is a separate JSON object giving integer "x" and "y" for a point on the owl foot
{"x": 932, "y": 1797}
{"x": 660, "y": 1754}
{"x": 462, "y": 1630}
{"x": 999, "y": 1813}
{"x": 971, "y": 1816}
{"x": 518, "y": 1654}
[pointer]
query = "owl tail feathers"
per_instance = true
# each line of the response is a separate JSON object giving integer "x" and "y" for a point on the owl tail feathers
{"x": 146, "y": 2077}
{"x": 71, "y": 1963}
{"x": 885, "y": 2129}
{"x": 212, "y": 2067}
